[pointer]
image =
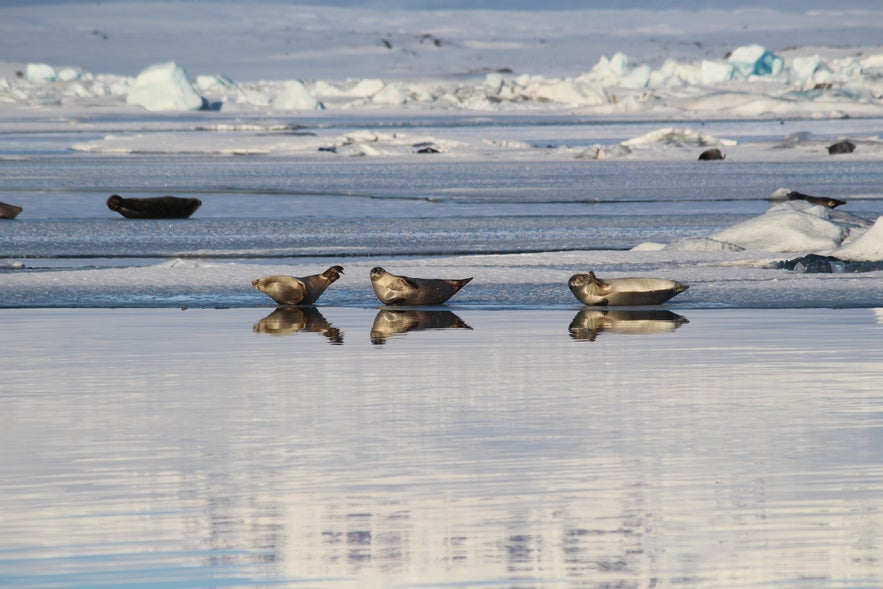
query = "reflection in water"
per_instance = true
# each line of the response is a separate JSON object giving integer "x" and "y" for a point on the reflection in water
{"x": 289, "y": 320}
{"x": 588, "y": 323}
{"x": 389, "y": 322}
{"x": 708, "y": 464}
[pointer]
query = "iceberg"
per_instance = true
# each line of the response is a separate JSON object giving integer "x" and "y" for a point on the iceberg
{"x": 867, "y": 247}
{"x": 755, "y": 60}
{"x": 295, "y": 96}
{"x": 792, "y": 226}
{"x": 165, "y": 86}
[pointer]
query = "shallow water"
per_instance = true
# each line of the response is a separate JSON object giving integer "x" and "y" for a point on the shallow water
{"x": 349, "y": 447}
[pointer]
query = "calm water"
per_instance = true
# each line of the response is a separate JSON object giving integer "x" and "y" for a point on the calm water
{"x": 356, "y": 447}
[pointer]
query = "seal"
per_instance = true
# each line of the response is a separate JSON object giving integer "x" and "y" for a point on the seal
{"x": 155, "y": 207}
{"x": 711, "y": 154}
{"x": 290, "y": 290}
{"x": 389, "y": 322}
{"x": 8, "y": 211}
{"x": 783, "y": 194}
{"x": 841, "y": 147}
{"x": 825, "y": 201}
{"x": 403, "y": 290}
{"x": 590, "y": 290}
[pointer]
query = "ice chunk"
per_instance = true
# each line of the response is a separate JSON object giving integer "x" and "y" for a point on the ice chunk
{"x": 165, "y": 86}
{"x": 792, "y": 226}
{"x": 755, "y": 60}
{"x": 675, "y": 136}
{"x": 702, "y": 244}
{"x": 714, "y": 72}
{"x": 295, "y": 96}
{"x": 868, "y": 247}
{"x": 40, "y": 72}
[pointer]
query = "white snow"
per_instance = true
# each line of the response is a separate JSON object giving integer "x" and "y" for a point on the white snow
{"x": 867, "y": 247}
{"x": 793, "y": 226}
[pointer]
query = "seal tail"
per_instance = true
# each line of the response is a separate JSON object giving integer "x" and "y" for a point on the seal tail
{"x": 458, "y": 284}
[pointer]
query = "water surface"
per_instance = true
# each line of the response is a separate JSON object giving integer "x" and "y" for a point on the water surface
{"x": 362, "y": 447}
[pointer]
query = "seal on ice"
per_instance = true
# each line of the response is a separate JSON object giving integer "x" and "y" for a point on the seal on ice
{"x": 154, "y": 207}
{"x": 8, "y": 211}
{"x": 590, "y": 290}
{"x": 291, "y": 290}
{"x": 403, "y": 290}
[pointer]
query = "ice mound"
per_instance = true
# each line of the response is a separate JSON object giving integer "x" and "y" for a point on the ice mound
{"x": 165, "y": 86}
{"x": 40, "y": 72}
{"x": 755, "y": 60}
{"x": 792, "y": 226}
{"x": 702, "y": 244}
{"x": 675, "y": 136}
{"x": 867, "y": 247}
{"x": 295, "y": 96}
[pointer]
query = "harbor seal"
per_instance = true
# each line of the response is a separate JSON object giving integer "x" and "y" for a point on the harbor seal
{"x": 291, "y": 290}
{"x": 711, "y": 154}
{"x": 841, "y": 147}
{"x": 590, "y": 290}
{"x": 155, "y": 207}
{"x": 825, "y": 201}
{"x": 8, "y": 211}
{"x": 782, "y": 194}
{"x": 403, "y": 290}
{"x": 589, "y": 323}
{"x": 389, "y": 322}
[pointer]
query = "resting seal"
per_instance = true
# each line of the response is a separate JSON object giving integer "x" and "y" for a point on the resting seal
{"x": 290, "y": 290}
{"x": 8, "y": 211}
{"x": 841, "y": 147}
{"x": 402, "y": 290}
{"x": 825, "y": 201}
{"x": 788, "y": 194}
{"x": 590, "y": 290}
{"x": 155, "y": 207}
{"x": 711, "y": 154}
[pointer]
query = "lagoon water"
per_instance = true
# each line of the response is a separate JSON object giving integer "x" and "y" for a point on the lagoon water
{"x": 357, "y": 447}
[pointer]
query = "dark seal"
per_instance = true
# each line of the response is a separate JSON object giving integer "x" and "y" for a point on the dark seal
{"x": 155, "y": 207}
{"x": 8, "y": 211}
{"x": 841, "y": 147}
{"x": 825, "y": 201}
{"x": 711, "y": 154}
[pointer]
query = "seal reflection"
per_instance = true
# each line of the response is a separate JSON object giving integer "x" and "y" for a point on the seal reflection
{"x": 290, "y": 320}
{"x": 389, "y": 322}
{"x": 589, "y": 323}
